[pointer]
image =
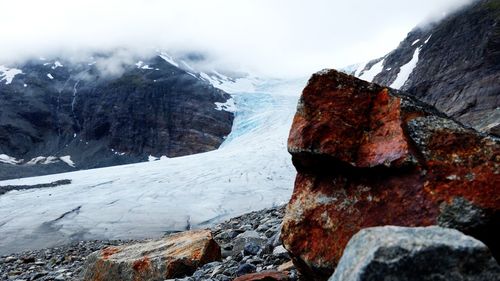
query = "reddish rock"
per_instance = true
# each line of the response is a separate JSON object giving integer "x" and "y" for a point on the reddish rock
{"x": 265, "y": 276}
{"x": 287, "y": 266}
{"x": 368, "y": 156}
{"x": 174, "y": 256}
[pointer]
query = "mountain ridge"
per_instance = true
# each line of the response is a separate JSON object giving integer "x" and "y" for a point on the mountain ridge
{"x": 98, "y": 115}
{"x": 453, "y": 65}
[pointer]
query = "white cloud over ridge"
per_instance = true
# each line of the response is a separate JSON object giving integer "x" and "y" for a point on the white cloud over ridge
{"x": 271, "y": 37}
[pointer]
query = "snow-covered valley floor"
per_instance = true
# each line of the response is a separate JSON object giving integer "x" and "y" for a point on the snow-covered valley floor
{"x": 252, "y": 170}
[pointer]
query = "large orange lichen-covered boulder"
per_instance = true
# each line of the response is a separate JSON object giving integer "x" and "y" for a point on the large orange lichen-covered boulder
{"x": 174, "y": 256}
{"x": 368, "y": 156}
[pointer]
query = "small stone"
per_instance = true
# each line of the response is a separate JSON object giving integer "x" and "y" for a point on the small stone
{"x": 255, "y": 261}
{"x": 226, "y": 235}
{"x": 39, "y": 275}
{"x": 243, "y": 239}
{"x": 10, "y": 259}
{"x": 270, "y": 233}
{"x": 223, "y": 278}
{"x": 15, "y": 272}
{"x": 249, "y": 235}
{"x": 246, "y": 227}
{"x": 287, "y": 266}
{"x": 226, "y": 254}
{"x": 251, "y": 248}
{"x": 280, "y": 251}
{"x": 245, "y": 269}
{"x": 275, "y": 240}
{"x": 62, "y": 270}
{"x": 216, "y": 270}
{"x": 28, "y": 259}
{"x": 264, "y": 276}
{"x": 262, "y": 228}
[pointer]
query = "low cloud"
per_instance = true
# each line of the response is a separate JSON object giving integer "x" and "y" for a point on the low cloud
{"x": 274, "y": 38}
{"x": 114, "y": 63}
{"x": 442, "y": 10}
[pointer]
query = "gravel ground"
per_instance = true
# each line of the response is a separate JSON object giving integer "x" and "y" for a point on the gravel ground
{"x": 59, "y": 263}
{"x": 249, "y": 243}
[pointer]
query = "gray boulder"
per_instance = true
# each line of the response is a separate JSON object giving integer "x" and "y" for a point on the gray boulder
{"x": 415, "y": 253}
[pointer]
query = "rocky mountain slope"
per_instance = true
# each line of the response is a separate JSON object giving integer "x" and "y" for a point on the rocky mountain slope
{"x": 453, "y": 64}
{"x": 60, "y": 114}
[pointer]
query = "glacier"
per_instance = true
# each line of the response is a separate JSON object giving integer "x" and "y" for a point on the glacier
{"x": 251, "y": 170}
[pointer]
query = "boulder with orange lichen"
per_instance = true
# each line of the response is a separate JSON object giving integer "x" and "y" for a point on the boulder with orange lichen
{"x": 367, "y": 155}
{"x": 174, "y": 256}
{"x": 265, "y": 276}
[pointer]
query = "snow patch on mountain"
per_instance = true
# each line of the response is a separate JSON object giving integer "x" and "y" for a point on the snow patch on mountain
{"x": 39, "y": 160}
{"x": 140, "y": 64}
{"x": 369, "y": 74}
{"x": 152, "y": 158}
{"x": 57, "y": 64}
{"x": 8, "y": 74}
{"x": 43, "y": 160}
{"x": 168, "y": 58}
{"x": 354, "y": 69}
{"x": 228, "y": 106}
{"x": 242, "y": 83}
{"x": 67, "y": 159}
{"x": 6, "y": 159}
{"x": 405, "y": 71}
{"x": 359, "y": 69}
{"x": 232, "y": 85}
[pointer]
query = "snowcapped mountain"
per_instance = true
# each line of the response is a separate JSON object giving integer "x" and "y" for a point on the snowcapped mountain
{"x": 251, "y": 170}
{"x": 230, "y": 82}
{"x": 453, "y": 64}
{"x": 61, "y": 114}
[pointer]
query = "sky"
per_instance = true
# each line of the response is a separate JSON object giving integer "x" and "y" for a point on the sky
{"x": 279, "y": 38}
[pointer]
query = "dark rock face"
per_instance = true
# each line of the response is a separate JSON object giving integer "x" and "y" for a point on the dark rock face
{"x": 7, "y": 188}
{"x": 407, "y": 254}
{"x": 458, "y": 66}
{"x": 369, "y": 156}
{"x": 100, "y": 119}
